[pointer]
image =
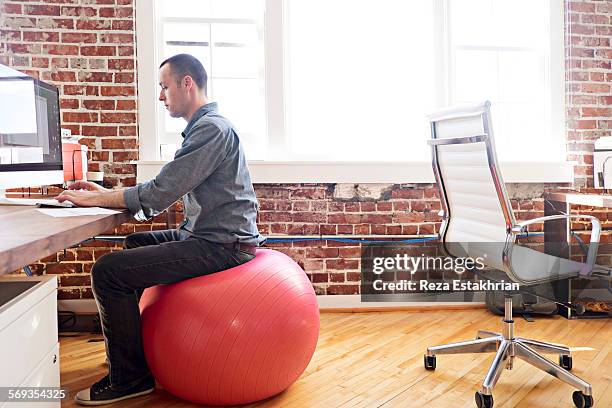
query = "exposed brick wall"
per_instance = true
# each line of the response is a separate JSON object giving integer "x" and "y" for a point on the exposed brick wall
{"x": 86, "y": 47}
{"x": 589, "y": 81}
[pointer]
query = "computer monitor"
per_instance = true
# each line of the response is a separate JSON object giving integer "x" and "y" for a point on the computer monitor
{"x": 30, "y": 133}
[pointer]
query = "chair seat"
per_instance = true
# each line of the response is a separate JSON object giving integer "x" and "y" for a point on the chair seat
{"x": 526, "y": 265}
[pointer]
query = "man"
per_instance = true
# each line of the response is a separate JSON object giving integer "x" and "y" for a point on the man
{"x": 219, "y": 232}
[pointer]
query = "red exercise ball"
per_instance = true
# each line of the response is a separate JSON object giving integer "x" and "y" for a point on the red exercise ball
{"x": 233, "y": 337}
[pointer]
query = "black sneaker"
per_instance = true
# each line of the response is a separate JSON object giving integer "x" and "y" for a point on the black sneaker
{"x": 102, "y": 393}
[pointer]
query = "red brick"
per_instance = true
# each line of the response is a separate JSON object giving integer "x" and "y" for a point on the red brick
{"x": 603, "y": 112}
{"x": 99, "y": 130}
{"x": 10, "y": 35}
{"x": 95, "y": 77}
{"x": 119, "y": 12}
{"x": 345, "y": 229}
{"x": 350, "y": 252}
{"x": 312, "y": 194}
{"x": 12, "y": 8}
{"x": 96, "y": 104}
{"x": 126, "y": 105}
{"x": 76, "y": 37}
{"x": 98, "y": 51}
{"x": 117, "y": 38}
{"x": 351, "y": 207}
{"x": 79, "y": 11}
{"x": 309, "y": 217}
{"x": 131, "y": 182}
{"x": 44, "y": 36}
{"x": 362, "y": 229}
{"x": 40, "y": 62}
{"x": 596, "y": 88}
{"x": 426, "y": 229}
{"x": 122, "y": 144}
{"x": 74, "y": 129}
{"x": 61, "y": 49}
{"x": 99, "y": 156}
{"x": 62, "y": 268}
{"x": 59, "y": 62}
{"x": 60, "y": 76}
{"x": 409, "y": 230}
{"x": 341, "y": 264}
{"x": 79, "y": 117}
{"x": 118, "y": 90}
{"x": 342, "y": 290}
{"x": 64, "y": 294}
{"x": 123, "y": 25}
{"x": 84, "y": 280}
{"x": 121, "y": 64}
{"x": 125, "y": 51}
{"x": 93, "y": 24}
{"x": 408, "y": 193}
{"x": 42, "y": 10}
{"x": 125, "y": 169}
{"x": 125, "y": 156}
{"x": 337, "y": 277}
{"x": 128, "y": 131}
{"x": 24, "y": 48}
{"x": 275, "y": 216}
{"x": 74, "y": 89}
{"x": 69, "y": 103}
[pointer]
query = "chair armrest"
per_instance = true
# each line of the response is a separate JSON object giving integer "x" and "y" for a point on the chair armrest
{"x": 595, "y": 233}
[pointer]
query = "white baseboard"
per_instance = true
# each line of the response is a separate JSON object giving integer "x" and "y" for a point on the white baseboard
{"x": 326, "y": 302}
{"x": 417, "y": 301}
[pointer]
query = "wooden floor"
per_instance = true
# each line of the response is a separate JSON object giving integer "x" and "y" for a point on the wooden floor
{"x": 376, "y": 360}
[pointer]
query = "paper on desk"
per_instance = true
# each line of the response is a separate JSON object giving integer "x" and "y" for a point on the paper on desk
{"x": 76, "y": 212}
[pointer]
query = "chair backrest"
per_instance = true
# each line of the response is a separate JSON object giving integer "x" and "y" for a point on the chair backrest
{"x": 473, "y": 194}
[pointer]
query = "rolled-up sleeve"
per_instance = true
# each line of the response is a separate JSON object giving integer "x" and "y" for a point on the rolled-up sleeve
{"x": 204, "y": 149}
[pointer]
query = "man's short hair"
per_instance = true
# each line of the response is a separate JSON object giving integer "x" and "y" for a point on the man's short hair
{"x": 185, "y": 64}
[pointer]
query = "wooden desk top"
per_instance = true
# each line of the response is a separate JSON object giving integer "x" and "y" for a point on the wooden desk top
{"x": 589, "y": 197}
{"x": 27, "y": 235}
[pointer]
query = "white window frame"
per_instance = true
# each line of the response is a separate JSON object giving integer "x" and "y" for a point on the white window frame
{"x": 278, "y": 171}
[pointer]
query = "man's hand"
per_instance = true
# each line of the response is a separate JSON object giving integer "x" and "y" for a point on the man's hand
{"x": 97, "y": 198}
{"x": 86, "y": 185}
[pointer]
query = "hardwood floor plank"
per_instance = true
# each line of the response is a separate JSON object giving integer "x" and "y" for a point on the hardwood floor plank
{"x": 375, "y": 359}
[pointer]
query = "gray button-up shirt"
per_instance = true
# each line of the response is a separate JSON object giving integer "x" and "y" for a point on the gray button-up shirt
{"x": 210, "y": 172}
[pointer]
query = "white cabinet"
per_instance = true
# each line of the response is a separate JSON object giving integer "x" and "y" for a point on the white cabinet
{"x": 29, "y": 348}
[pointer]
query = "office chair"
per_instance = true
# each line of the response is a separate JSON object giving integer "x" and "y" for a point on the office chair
{"x": 478, "y": 222}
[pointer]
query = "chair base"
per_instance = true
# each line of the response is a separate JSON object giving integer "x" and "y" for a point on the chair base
{"x": 506, "y": 347}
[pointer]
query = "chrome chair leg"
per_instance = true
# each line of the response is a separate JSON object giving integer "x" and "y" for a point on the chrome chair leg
{"x": 498, "y": 365}
{"x": 487, "y": 345}
{"x": 482, "y": 334}
{"x": 525, "y": 353}
{"x": 543, "y": 347}
{"x": 507, "y": 347}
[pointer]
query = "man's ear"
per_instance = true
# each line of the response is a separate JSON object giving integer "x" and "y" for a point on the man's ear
{"x": 188, "y": 81}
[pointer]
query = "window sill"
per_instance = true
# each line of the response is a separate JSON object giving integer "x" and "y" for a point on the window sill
{"x": 376, "y": 172}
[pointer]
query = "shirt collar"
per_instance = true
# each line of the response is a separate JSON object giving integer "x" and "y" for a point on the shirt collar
{"x": 203, "y": 110}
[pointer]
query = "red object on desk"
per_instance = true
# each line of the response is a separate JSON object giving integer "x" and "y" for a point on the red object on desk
{"x": 74, "y": 159}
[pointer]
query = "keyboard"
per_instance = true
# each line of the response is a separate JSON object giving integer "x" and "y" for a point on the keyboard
{"x": 39, "y": 202}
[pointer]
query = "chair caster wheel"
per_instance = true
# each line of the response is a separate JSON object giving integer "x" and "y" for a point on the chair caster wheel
{"x": 483, "y": 401}
{"x": 565, "y": 362}
{"x": 581, "y": 400}
{"x": 429, "y": 362}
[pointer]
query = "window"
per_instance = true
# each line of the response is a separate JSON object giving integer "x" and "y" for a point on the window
{"x": 492, "y": 57}
{"x": 226, "y": 37}
{"x": 353, "y": 80}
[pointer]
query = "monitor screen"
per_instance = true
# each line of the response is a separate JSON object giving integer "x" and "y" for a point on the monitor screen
{"x": 30, "y": 134}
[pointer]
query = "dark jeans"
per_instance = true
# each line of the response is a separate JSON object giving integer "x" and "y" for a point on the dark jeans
{"x": 149, "y": 259}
